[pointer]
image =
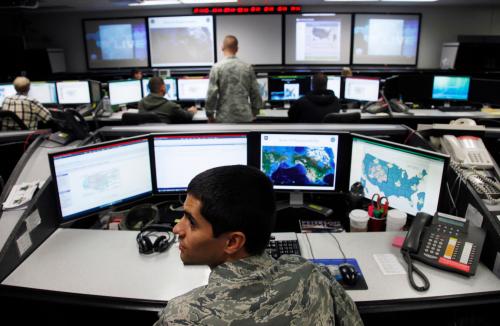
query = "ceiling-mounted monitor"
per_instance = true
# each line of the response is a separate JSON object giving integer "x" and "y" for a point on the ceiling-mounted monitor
{"x": 386, "y": 39}
{"x": 116, "y": 43}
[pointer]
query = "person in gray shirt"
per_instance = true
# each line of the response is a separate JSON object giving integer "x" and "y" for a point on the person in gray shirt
{"x": 232, "y": 84}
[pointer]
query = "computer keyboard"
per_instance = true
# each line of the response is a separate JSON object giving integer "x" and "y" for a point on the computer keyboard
{"x": 460, "y": 108}
{"x": 276, "y": 248}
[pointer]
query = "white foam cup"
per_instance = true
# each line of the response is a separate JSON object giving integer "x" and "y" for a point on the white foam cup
{"x": 358, "y": 220}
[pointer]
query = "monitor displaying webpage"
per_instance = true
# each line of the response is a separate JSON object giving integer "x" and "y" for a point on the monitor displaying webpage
{"x": 333, "y": 84}
{"x": 180, "y": 158}
{"x": 318, "y": 38}
{"x": 386, "y": 39}
{"x": 300, "y": 161}
{"x": 170, "y": 87}
{"x": 92, "y": 179}
{"x": 125, "y": 91}
{"x": 192, "y": 88}
{"x": 45, "y": 93}
{"x": 73, "y": 92}
{"x": 410, "y": 180}
{"x": 361, "y": 89}
{"x": 6, "y": 90}
{"x": 178, "y": 41}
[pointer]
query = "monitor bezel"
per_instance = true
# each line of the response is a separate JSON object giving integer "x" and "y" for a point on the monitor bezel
{"x": 343, "y": 160}
{"x": 185, "y": 134}
{"x": 344, "y": 87}
{"x": 125, "y": 81}
{"x": 90, "y": 212}
{"x": 466, "y": 99}
{"x": 75, "y": 103}
{"x": 418, "y": 151}
{"x": 191, "y": 99}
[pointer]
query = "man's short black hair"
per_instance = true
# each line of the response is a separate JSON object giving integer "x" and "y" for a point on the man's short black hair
{"x": 155, "y": 84}
{"x": 237, "y": 198}
{"x": 319, "y": 82}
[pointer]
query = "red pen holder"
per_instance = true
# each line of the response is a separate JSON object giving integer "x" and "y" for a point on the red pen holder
{"x": 376, "y": 224}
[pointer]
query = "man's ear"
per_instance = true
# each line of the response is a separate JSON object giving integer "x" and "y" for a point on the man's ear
{"x": 235, "y": 242}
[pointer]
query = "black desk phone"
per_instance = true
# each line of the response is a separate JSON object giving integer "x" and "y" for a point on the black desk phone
{"x": 443, "y": 241}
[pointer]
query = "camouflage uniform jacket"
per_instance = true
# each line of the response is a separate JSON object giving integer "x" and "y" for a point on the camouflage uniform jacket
{"x": 259, "y": 290}
{"x": 232, "y": 83}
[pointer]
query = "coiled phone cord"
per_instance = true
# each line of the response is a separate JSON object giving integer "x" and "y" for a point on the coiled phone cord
{"x": 411, "y": 269}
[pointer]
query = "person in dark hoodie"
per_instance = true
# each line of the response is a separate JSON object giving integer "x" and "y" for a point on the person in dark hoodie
{"x": 316, "y": 104}
{"x": 168, "y": 111}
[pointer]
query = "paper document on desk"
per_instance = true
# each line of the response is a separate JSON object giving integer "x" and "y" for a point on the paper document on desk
{"x": 389, "y": 264}
{"x": 21, "y": 194}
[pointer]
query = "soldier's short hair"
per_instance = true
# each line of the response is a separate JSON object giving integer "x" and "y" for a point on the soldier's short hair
{"x": 319, "y": 82}
{"x": 237, "y": 198}
{"x": 22, "y": 85}
{"x": 155, "y": 84}
{"x": 231, "y": 43}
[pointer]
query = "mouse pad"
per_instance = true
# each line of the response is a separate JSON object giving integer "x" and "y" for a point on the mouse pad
{"x": 333, "y": 266}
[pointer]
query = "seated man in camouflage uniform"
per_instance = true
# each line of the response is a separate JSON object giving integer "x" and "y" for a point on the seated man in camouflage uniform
{"x": 227, "y": 223}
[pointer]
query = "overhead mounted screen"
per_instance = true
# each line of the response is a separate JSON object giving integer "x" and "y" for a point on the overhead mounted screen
{"x": 386, "y": 39}
{"x": 116, "y": 43}
{"x": 318, "y": 39}
{"x": 181, "y": 41}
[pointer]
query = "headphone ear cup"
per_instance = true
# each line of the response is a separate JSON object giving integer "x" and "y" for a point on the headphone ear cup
{"x": 145, "y": 245}
{"x": 161, "y": 244}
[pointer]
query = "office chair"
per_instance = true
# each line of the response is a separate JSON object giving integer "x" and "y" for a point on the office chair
{"x": 351, "y": 117}
{"x": 139, "y": 118}
{"x": 9, "y": 115}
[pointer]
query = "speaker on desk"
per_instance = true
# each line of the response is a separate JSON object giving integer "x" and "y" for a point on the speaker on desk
{"x": 155, "y": 238}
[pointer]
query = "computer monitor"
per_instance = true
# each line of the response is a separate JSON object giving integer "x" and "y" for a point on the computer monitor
{"x": 96, "y": 177}
{"x": 6, "y": 90}
{"x": 288, "y": 88}
{"x": 124, "y": 91}
{"x": 334, "y": 84}
{"x": 170, "y": 85}
{"x": 178, "y": 158}
{"x": 450, "y": 88}
{"x": 484, "y": 91}
{"x": 263, "y": 88}
{"x": 95, "y": 90}
{"x": 192, "y": 88}
{"x": 410, "y": 178}
{"x": 73, "y": 92}
{"x": 44, "y": 92}
{"x": 365, "y": 89}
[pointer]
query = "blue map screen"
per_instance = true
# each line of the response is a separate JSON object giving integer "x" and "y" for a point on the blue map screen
{"x": 450, "y": 88}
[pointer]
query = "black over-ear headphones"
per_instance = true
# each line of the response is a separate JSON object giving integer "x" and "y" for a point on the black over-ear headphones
{"x": 160, "y": 243}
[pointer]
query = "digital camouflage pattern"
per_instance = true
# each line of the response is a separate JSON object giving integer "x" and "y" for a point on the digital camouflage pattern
{"x": 232, "y": 83}
{"x": 259, "y": 290}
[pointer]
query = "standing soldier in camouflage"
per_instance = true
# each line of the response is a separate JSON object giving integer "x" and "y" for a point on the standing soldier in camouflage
{"x": 232, "y": 83}
{"x": 228, "y": 217}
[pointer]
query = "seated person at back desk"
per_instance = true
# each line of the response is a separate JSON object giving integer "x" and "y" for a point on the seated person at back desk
{"x": 28, "y": 109}
{"x": 168, "y": 111}
{"x": 316, "y": 104}
{"x": 229, "y": 214}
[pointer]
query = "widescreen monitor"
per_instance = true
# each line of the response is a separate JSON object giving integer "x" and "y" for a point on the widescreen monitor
{"x": 323, "y": 38}
{"x": 450, "y": 88}
{"x": 178, "y": 158}
{"x": 485, "y": 91}
{"x": 192, "y": 88}
{"x": 125, "y": 91}
{"x": 361, "y": 89}
{"x": 6, "y": 90}
{"x": 410, "y": 178}
{"x": 333, "y": 84}
{"x": 44, "y": 92}
{"x": 73, "y": 92}
{"x": 263, "y": 88}
{"x": 96, "y": 177}
{"x": 302, "y": 162}
{"x": 386, "y": 39}
{"x": 288, "y": 88}
{"x": 179, "y": 41}
{"x": 116, "y": 43}
{"x": 170, "y": 86}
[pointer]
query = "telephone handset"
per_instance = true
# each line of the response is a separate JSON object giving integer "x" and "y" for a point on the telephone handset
{"x": 72, "y": 124}
{"x": 444, "y": 241}
{"x": 468, "y": 151}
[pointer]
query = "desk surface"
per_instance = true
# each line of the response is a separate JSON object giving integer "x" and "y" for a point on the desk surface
{"x": 107, "y": 263}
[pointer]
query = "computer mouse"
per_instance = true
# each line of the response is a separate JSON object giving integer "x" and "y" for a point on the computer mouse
{"x": 348, "y": 273}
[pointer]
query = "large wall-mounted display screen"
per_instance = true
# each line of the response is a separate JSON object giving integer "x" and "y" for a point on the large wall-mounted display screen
{"x": 181, "y": 41}
{"x": 116, "y": 43}
{"x": 318, "y": 39}
{"x": 386, "y": 39}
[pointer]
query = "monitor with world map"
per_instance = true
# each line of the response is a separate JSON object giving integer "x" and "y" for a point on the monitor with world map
{"x": 410, "y": 178}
